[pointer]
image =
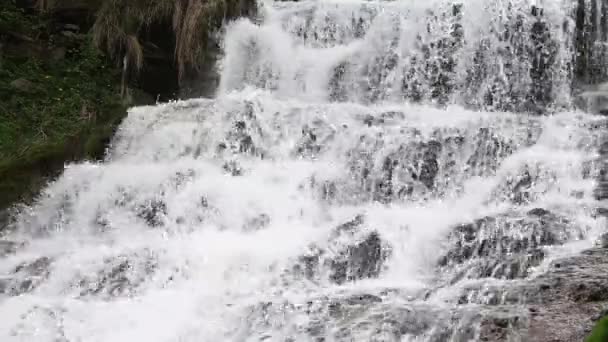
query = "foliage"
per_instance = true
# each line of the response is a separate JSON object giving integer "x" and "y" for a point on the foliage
{"x": 13, "y": 19}
{"x": 65, "y": 99}
{"x": 119, "y": 24}
{"x": 600, "y": 332}
{"x": 69, "y": 103}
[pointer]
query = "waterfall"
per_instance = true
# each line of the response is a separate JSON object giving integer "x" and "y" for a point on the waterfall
{"x": 501, "y": 55}
{"x": 368, "y": 171}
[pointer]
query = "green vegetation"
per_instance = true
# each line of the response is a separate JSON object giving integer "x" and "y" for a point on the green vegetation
{"x": 54, "y": 102}
{"x": 600, "y": 332}
{"x": 58, "y": 100}
{"x": 64, "y": 85}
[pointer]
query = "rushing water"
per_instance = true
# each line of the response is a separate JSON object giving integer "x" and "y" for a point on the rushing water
{"x": 359, "y": 177}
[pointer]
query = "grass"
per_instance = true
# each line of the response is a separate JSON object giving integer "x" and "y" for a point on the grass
{"x": 600, "y": 332}
{"x": 64, "y": 99}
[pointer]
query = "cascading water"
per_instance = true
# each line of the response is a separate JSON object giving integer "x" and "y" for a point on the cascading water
{"x": 335, "y": 190}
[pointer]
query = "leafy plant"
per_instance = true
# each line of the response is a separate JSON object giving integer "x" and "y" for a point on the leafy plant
{"x": 600, "y": 332}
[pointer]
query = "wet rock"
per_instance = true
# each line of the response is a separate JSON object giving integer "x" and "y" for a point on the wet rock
{"x": 8, "y": 247}
{"x": 525, "y": 185}
{"x": 365, "y": 317}
{"x": 502, "y": 327}
{"x": 246, "y": 145}
{"x": 383, "y": 191}
{"x": 603, "y": 241}
{"x": 308, "y": 144}
{"x": 504, "y": 246}
{"x": 359, "y": 261}
{"x": 560, "y": 322}
{"x": 521, "y": 188}
{"x": 411, "y": 166}
{"x": 341, "y": 307}
{"x": 421, "y": 166}
{"x": 6, "y": 219}
{"x": 338, "y": 91}
{"x": 430, "y": 165}
{"x": 349, "y": 227}
{"x": 383, "y": 118}
{"x": 257, "y": 223}
{"x": 181, "y": 178}
{"x": 539, "y": 212}
{"x": 221, "y": 147}
{"x": 233, "y": 168}
{"x": 240, "y": 138}
{"x": 559, "y": 305}
{"x": 26, "y": 277}
{"x": 39, "y": 266}
{"x": 153, "y": 212}
{"x": 316, "y": 135}
{"x": 489, "y": 151}
{"x": 510, "y": 267}
{"x": 369, "y": 120}
{"x": 329, "y": 191}
{"x": 352, "y": 254}
{"x": 121, "y": 276}
{"x": 600, "y": 211}
{"x": 601, "y": 190}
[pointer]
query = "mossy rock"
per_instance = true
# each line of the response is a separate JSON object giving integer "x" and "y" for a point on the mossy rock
{"x": 600, "y": 332}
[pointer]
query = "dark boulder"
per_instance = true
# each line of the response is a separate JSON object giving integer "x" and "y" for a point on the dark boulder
{"x": 559, "y": 305}
{"x": 360, "y": 261}
{"x": 120, "y": 276}
{"x": 8, "y": 247}
{"x": 489, "y": 150}
{"x": 352, "y": 254}
{"x": 308, "y": 144}
{"x": 153, "y": 212}
{"x": 26, "y": 277}
{"x": 603, "y": 241}
{"x": 245, "y": 130}
{"x": 504, "y": 246}
{"x": 233, "y": 168}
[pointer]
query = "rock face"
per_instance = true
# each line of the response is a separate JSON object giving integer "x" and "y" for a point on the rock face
{"x": 120, "y": 276}
{"x": 26, "y": 277}
{"x": 504, "y": 247}
{"x": 417, "y": 166}
{"x": 562, "y": 305}
{"x": 352, "y": 254}
{"x": 570, "y": 298}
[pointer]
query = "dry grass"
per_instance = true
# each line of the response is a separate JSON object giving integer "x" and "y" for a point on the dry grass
{"x": 134, "y": 52}
{"x": 119, "y": 23}
{"x": 44, "y": 5}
